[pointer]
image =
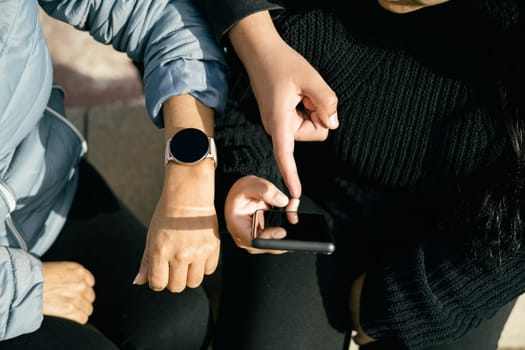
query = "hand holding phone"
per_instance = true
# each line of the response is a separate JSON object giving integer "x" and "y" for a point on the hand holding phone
{"x": 292, "y": 231}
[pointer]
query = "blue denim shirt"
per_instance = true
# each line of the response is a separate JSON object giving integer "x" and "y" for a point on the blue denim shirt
{"x": 40, "y": 149}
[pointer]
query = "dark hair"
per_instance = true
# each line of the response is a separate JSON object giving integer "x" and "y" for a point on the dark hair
{"x": 500, "y": 214}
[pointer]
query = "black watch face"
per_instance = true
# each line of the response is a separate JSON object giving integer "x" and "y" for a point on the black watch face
{"x": 189, "y": 145}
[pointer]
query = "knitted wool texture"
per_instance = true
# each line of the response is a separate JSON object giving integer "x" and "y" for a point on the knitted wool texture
{"x": 409, "y": 117}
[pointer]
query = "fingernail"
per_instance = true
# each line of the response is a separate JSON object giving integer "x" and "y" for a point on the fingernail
{"x": 278, "y": 234}
{"x": 155, "y": 289}
{"x": 333, "y": 121}
{"x": 282, "y": 200}
{"x": 136, "y": 280}
{"x": 293, "y": 204}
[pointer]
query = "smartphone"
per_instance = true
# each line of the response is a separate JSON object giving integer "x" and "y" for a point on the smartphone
{"x": 303, "y": 231}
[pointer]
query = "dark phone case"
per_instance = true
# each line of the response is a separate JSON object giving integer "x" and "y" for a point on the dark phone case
{"x": 298, "y": 239}
{"x": 292, "y": 245}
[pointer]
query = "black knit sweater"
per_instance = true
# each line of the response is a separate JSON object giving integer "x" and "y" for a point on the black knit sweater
{"x": 419, "y": 119}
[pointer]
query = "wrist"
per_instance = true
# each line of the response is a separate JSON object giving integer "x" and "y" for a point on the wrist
{"x": 189, "y": 186}
{"x": 202, "y": 174}
{"x": 186, "y": 111}
{"x": 190, "y": 147}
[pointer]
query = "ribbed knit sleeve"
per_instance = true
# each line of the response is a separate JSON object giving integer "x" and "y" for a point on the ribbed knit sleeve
{"x": 245, "y": 148}
{"x": 410, "y": 113}
{"x": 430, "y": 292}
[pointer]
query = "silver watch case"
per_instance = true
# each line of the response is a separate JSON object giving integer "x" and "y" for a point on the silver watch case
{"x": 190, "y": 146}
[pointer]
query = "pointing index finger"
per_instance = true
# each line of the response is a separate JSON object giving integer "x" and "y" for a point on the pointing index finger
{"x": 283, "y": 145}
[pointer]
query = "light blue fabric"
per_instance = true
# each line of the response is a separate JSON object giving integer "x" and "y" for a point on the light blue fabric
{"x": 169, "y": 36}
{"x": 39, "y": 149}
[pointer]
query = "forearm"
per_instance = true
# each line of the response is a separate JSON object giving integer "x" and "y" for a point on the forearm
{"x": 254, "y": 38}
{"x": 185, "y": 111}
{"x": 193, "y": 185}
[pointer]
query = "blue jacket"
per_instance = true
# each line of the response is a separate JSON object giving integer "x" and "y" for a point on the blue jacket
{"x": 40, "y": 149}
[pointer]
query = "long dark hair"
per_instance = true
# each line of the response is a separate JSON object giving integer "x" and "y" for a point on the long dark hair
{"x": 501, "y": 213}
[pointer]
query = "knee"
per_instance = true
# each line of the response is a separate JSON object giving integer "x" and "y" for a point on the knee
{"x": 181, "y": 321}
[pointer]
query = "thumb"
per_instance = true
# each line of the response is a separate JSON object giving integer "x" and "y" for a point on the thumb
{"x": 275, "y": 197}
{"x": 324, "y": 105}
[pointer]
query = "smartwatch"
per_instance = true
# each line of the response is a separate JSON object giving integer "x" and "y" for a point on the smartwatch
{"x": 190, "y": 146}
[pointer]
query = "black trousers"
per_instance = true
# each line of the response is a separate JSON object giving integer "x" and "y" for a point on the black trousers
{"x": 298, "y": 301}
{"x": 107, "y": 239}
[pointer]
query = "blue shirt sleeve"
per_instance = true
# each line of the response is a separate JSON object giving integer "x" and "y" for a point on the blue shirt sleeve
{"x": 170, "y": 37}
{"x": 176, "y": 78}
